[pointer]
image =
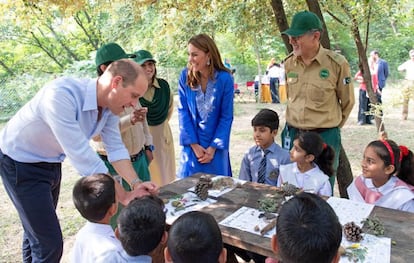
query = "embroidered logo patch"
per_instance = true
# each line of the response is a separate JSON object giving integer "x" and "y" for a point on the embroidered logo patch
{"x": 292, "y": 75}
{"x": 324, "y": 73}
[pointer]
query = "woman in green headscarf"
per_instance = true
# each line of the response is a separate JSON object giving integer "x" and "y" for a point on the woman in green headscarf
{"x": 159, "y": 101}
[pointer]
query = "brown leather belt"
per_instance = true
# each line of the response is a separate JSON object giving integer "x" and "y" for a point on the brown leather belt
{"x": 318, "y": 130}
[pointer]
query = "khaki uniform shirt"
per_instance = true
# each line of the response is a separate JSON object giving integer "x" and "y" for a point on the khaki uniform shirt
{"x": 320, "y": 95}
{"x": 133, "y": 136}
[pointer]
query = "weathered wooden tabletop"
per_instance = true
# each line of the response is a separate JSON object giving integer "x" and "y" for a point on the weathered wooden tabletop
{"x": 399, "y": 226}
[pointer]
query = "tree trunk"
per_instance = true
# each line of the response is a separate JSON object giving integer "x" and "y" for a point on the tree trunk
{"x": 93, "y": 40}
{"x": 6, "y": 68}
{"x": 314, "y": 7}
{"x": 367, "y": 74}
{"x": 281, "y": 21}
{"x": 41, "y": 46}
{"x": 344, "y": 173}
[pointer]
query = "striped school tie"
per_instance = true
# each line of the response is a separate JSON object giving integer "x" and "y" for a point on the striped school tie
{"x": 261, "y": 174}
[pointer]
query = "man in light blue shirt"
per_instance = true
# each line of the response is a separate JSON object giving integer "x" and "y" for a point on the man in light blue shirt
{"x": 58, "y": 122}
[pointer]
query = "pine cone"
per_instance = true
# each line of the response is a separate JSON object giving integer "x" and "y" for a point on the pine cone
{"x": 201, "y": 190}
{"x": 206, "y": 179}
{"x": 289, "y": 189}
{"x": 352, "y": 232}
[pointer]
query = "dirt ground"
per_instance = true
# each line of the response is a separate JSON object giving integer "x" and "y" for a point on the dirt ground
{"x": 354, "y": 137}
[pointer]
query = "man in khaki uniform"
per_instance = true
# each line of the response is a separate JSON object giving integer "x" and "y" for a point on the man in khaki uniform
{"x": 319, "y": 88}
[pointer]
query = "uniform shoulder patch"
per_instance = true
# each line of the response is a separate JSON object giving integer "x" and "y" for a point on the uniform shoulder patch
{"x": 288, "y": 56}
{"x": 338, "y": 58}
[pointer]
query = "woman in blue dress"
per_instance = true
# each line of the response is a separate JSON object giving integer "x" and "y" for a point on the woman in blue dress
{"x": 205, "y": 110}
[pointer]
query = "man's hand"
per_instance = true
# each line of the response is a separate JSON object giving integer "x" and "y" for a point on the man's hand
{"x": 142, "y": 189}
{"x": 138, "y": 115}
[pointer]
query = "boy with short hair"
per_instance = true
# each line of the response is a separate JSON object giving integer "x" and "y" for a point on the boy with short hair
{"x": 307, "y": 230}
{"x": 94, "y": 198}
{"x": 195, "y": 237}
{"x": 261, "y": 163}
{"x": 141, "y": 228}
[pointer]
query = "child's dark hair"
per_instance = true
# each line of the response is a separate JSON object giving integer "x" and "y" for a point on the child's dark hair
{"x": 399, "y": 156}
{"x": 268, "y": 118}
{"x": 308, "y": 230}
{"x": 141, "y": 225}
{"x": 312, "y": 143}
{"x": 93, "y": 195}
{"x": 195, "y": 237}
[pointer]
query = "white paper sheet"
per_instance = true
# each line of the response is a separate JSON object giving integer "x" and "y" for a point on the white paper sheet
{"x": 378, "y": 249}
{"x": 218, "y": 192}
{"x": 348, "y": 211}
{"x": 190, "y": 202}
{"x": 247, "y": 219}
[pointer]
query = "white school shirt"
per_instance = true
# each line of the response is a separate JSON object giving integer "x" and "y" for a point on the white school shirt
{"x": 313, "y": 180}
{"x": 394, "y": 193}
{"x": 95, "y": 243}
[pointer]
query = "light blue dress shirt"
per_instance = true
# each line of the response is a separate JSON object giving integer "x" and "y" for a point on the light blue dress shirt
{"x": 251, "y": 161}
{"x": 58, "y": 122}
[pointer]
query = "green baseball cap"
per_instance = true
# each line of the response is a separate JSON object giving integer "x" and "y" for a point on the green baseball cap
{"x": 303, "y": 22}
{"x": 142, "y": 56}
{"x": 110, "y": 52}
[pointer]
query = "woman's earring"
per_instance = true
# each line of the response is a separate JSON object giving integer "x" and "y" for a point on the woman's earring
{"x": 208, "y": 62}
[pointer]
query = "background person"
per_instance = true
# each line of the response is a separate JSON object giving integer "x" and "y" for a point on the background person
{"x": 159, "y": 101}
{"x": 364, "y": 107}
{"x": 381, "y": 71}
{"x": 205, "y": 110}
{"x": 273, "y": 71}
{"x": 408, "y": 84}
{"x": 58, "y": 122}
{"x": 319, "y": 86}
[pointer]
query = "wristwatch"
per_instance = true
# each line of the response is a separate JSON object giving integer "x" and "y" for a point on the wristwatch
{"x": 149, "y": 147}
{"x": 134, "y": 182}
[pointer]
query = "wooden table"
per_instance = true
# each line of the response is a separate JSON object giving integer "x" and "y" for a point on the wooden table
{"x": 399, "y": 226}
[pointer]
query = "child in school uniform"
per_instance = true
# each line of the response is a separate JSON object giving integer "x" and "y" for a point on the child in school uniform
{"x": 317, "y": 240}
{"x": 386, "y": 177}
{"x": 141, "y": 228}
{"x": 261, "y": 162}
{"x": 94, "y": 198}
{"x": 312, "y": 162}
{"x": 195, "y": 237}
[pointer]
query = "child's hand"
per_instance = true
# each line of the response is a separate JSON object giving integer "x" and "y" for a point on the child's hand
{"x": 138, "y": 115}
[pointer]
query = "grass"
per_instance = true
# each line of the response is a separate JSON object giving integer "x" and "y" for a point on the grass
{"x": 354, "y": 140}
